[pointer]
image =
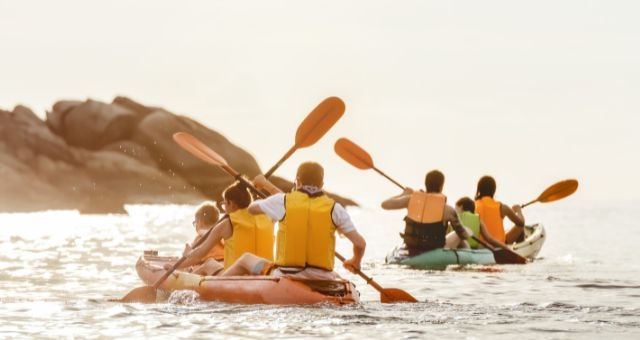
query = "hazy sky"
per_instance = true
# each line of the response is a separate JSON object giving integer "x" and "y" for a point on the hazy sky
{"x": 530, "y": 92}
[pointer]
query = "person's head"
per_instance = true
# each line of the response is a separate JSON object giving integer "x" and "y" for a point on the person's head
{"x": 465, "y": 204}
{"x": 310, "y": 173}
{"x": 236, "y": 196}
{"x": 486, "y": 187}
{"x": 434, "y": 181}
{"x": 206, "y": 215}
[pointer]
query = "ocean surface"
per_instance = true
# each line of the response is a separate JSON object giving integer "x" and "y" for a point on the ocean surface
{"x": 59, "y": 269}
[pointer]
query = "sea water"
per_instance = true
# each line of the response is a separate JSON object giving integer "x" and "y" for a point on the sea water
{"x": 59, "y": 269}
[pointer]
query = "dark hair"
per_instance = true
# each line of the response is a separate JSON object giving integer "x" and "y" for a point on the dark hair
{"x": 238, "y": 194}
{"x": 310, "y": 173}
{"x": 207, "y": 213}
{"x": 467, "y": 204}
{"x": 434, "y": 181}
{"x": 486, "y": 187}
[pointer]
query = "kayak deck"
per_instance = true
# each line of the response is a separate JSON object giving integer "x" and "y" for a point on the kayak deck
{"x": 248, "y": 289}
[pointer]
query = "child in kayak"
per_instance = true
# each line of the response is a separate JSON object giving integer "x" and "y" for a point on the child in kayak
{"x": 205, "y": 218}
{"x": 465, "y": 207}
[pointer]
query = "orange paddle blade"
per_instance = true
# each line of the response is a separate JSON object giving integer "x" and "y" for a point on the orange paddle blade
{"x": 146, "y": 294}
{"x": 391, "y": 295}
{"x": 319, "y": 121}
{"x": 195, "y": 147}
{"x": 353, "y": 154}
{"x": 559, "y": 190}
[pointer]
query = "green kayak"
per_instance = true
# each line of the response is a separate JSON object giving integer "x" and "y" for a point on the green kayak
{"x": 439, "y": 259}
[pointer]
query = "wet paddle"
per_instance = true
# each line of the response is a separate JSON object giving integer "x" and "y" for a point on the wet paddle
{"x": 148, "y": 294}
{"x": 195, "y": 147}
{"x": 502, "y": 255}
{"x": 198, "y": 149}
{"x": 358, "y": 157}
{"x": 312, "y": 128}
{"x": 557, "y": 191}
{"x": 387, "y": 295}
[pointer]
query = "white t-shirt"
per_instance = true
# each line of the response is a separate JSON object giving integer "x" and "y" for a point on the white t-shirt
{"x": 273, "y": 206}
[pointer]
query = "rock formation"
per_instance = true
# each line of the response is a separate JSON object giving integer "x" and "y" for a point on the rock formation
{"x": 95, "y": 157}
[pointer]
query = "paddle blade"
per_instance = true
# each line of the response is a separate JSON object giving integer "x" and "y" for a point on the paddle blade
{"x": 353, "y": 154}
{"x": 195, "y": 147}
{"x": 146, "y": 294}
{"x": 559, "y": 190}
{"x": 508, "y": 256}
{"x": 392, "y": 295}
{"x": 319, "y": 121}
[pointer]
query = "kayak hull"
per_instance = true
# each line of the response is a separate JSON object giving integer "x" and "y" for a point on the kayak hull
{"x": 248, "y": 289}
{"x": 439, "y": 259}
{"x": 535, "y": 236}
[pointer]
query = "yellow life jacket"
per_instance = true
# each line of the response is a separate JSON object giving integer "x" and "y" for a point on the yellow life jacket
{"x": 489, "y": 211}
{"x": 251, "y": 234}
{"x": 306, "y": 234}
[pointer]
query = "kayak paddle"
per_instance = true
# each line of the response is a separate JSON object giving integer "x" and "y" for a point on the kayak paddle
{"x": 557, "y": 191}
{"x": 387, "y": 295}
{"x": 502, "y": 255}
{"x": 148, "y": 294}
{"x": 312, "y": 128}
{"x": 198, "y": 149}
{"x": 358, "y": 157}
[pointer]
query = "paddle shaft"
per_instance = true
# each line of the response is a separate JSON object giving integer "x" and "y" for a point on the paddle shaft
{"x": 180, "y": 261}
{"x": 387, "y": 177}
{"x": 368, "y": 279}
{"x": 284, "y": 158}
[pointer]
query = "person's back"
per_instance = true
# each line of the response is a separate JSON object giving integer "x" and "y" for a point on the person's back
{"x": 308, "y": 221}
{"x": 428, "y": 215}
{"x": 251, "y": 233}
{"x": 305, "y": 241}
{"x": 492, "y": 212}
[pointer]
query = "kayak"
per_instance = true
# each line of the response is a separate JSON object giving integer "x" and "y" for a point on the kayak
{"x": 248, "y": 289}
{"x": 534, "y": 237}
{"x": 439, "y": 259}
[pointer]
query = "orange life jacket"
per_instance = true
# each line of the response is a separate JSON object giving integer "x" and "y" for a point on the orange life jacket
{"x": 489, "y": 211}
{"x": 425, "y": 229}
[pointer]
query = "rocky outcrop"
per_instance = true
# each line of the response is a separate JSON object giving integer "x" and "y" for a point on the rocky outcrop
{"x": 96, "y": 157}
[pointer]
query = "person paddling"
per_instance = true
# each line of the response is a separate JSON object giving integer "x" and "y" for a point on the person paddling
{"x": 242, "y": 232}
{"x": 465, "y": 207}
{"x": 493, "y": 212}
{"x": 205, "y": 218}
{"x": 307, "y": 222}
{"x": 428, "y": 216}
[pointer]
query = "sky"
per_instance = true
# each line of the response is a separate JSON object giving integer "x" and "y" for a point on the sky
{"x": 529, "y": 92}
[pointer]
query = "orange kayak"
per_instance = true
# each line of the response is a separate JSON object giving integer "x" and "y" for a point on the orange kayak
{"x": 248, "y": 289}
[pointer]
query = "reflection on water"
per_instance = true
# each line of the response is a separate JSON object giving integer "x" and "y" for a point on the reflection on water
{"x": 58, "y": 270}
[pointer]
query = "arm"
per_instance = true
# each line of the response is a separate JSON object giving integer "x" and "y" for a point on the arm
{"x": 359, "y": 245}
{"x": 398, "y": 202}
{"x": 263, "y": 183}
{"x": 450, "y": 216}
{"x": 487, "y": 236}
{"x": 514, "y": 214}
{"x": 220, "y": 231}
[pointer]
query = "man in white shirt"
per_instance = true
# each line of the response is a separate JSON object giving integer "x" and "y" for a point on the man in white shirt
{"x": 307, "y": 220}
